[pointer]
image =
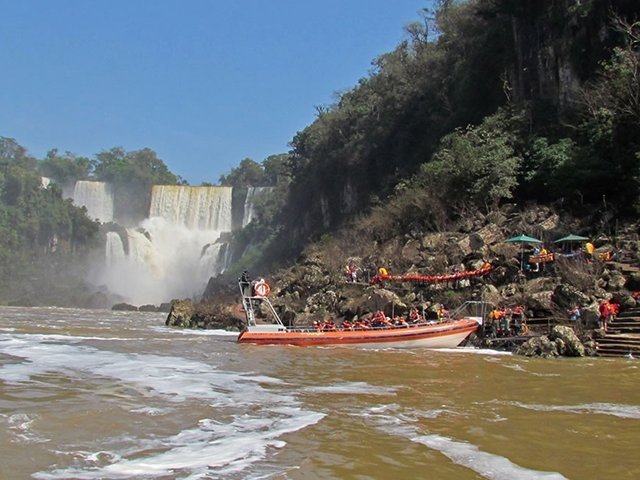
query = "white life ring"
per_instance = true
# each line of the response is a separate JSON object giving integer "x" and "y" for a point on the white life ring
{"x": 262, "y": 289}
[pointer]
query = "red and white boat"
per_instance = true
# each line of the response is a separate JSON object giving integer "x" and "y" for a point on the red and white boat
{"x": 447, "y": 334}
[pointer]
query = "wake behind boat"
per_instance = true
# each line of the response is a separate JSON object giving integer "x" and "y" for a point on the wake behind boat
{"x": 415, "y": 333}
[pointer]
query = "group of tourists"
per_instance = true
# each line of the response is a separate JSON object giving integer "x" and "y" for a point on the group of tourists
{"x": 506, "y": 321}
{"x": 607, "y": 312}
{"x": 541, "y": 255}
{"x": 379, "y": 319}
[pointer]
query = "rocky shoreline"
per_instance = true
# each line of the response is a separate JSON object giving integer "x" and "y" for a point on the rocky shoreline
{"x": 315, "y": 288}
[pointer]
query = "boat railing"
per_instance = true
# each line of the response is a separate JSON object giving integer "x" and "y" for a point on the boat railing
{"x": 250, "y": 301}
{"x": 473, "y": 309}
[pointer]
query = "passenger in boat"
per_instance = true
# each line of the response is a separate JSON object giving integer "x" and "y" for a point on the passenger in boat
{"x": 329, "y": 326}
{"x": 443, "y": 314}
{"x": 360, "y": 325}
{"x": 380, "y": 320}
{"x": 414, "y": 315}
{"x": 400, "y": 322}
{"x": 347, "y": 325}
{"x": 383, "y": 272}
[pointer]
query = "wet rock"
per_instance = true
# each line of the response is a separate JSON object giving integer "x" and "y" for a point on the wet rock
{"x": 126, "y": 307}
{"x": 148, "y": 308}
{"x": 180, "y": 314}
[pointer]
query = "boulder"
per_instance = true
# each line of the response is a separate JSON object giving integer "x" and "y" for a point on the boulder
{"x": 616, "y": 281}
{"x": 180, "y": 314}
{"x": 540, "y": 302}
{"x": 379, "y": 299}
{"x": 126, "y": 307}
{"x": 148, "y": 308}
{"x": 326, "y": 301}
{"x": 411, "y": 251}
{"x": 538, "y": 347}
{"x": 567, "y": 342}
{"x": 562, "y": 341}
{"x": 566, "y": 296}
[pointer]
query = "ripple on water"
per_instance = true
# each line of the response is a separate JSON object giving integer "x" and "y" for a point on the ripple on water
{"x": 489, "y": 465}
{"x": 227, "y": 445}
{"x": 616, "y": 410}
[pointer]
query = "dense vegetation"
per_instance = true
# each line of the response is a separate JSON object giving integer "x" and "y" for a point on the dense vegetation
{"x": 486, "y": 101}
{"x": 46, "y": 242}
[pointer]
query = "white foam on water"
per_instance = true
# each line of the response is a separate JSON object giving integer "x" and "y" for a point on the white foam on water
{"x": 197, "y": 332}
{"x": 478, "y": 351}
{"x": 152, "y": 411}
{"x": 352, "y": 388}
{"x": 616, "y": 410}
{"x": 211, "y": 448}
{"x": 20, "y": 427}
{"x": 173, "y": 377}
{"x": 488, "y": 465}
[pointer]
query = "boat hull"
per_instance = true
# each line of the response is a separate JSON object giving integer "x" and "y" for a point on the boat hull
{"x": 443, "y": 335}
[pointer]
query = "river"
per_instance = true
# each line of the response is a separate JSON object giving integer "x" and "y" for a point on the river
{"x": 98, "y": 394}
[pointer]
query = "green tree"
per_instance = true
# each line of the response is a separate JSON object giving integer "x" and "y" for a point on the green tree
{"x": 65, "y": 168}
{"x": 132, "y": 174}
{"x": 477, "y": 165}
{"x": 248, "y": 174}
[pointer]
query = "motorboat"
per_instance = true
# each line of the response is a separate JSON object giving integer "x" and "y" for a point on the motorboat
{"x": 448, "y": 333}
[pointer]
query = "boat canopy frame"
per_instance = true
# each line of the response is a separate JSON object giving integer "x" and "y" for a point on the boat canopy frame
{"x": 250, "y": 301}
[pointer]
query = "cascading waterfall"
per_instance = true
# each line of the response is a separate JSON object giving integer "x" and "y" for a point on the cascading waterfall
{"x": 174, "y": 252}
{"x": 114, "y": 250}
{"x": 204, "y": 208}
{"x": 249, "y": 211}
{"x": 96, "y": 197}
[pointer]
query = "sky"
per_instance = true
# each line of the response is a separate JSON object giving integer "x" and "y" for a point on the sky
{"x": 203, "y": 83}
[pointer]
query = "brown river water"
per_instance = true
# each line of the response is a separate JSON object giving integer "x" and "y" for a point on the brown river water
{"x": 98, "y": 394}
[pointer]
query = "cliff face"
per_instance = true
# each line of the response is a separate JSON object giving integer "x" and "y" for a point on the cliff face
{"x": 532, "y": 54}
{"x": 558, "y": 45}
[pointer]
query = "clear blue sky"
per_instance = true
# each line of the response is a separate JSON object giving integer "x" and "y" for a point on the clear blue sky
{"x": 204, "y": 83}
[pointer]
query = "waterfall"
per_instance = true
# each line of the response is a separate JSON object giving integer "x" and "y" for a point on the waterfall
{"x": 114, "y": 249}
{"x": 174, "y": 252}
{"x": 96, "y": 197}
{"x": 215, "y": 258}
{"x": 252, "y": 193}
{"x": 205, "y": 208}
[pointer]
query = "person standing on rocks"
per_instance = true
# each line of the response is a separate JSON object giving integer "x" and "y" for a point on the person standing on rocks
{"x": 605, "y": 314}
